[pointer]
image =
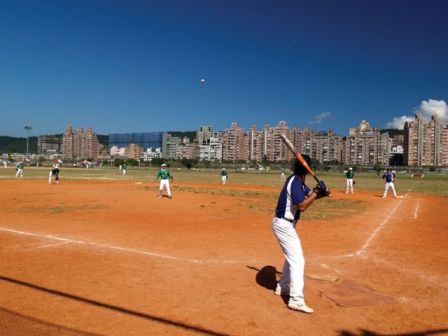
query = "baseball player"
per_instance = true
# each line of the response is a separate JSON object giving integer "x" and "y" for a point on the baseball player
{"x": 55, "y": 171}
{"x": 124, "y": 169}
{"x": 282, "y": 174}
{"x": 349, "y": 175}
{"x": 19, "y": 169}
{"x": 389, "y": 178}
{"x": 164, "y": 176}
{"x": 224, "y": 176}
{"x": 294, "y": 198}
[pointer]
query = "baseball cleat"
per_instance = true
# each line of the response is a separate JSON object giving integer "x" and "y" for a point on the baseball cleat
{"x": 302, "y": 307}
{"x": 279, "y": 291}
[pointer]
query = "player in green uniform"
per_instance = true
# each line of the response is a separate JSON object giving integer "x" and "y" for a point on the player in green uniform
{"x": 164, "y": 176}
{"x": 349, "y": 174}
{"x": 19, "y": 169}
{"x": 224, "y": 176}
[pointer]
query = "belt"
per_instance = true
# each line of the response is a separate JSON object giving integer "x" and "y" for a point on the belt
{"x": 287, "y": 219}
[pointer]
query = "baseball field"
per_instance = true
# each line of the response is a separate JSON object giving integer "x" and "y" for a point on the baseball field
{"x": 101, "y": 254}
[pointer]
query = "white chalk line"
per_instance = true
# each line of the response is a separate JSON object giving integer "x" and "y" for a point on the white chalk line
{"x": 100, "y": 245}
{"x": 52, "y": 245}
{"x": 416, "y": 209}
{"x": 363, "y": 249}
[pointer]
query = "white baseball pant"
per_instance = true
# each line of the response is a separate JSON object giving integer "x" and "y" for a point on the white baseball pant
{"x": 165, "y": 183}
{"x": 387, "y": 186}
{"x": 294, "y": 266}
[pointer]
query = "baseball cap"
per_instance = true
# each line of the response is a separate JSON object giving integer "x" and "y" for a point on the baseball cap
{"x": 163, "y": 165}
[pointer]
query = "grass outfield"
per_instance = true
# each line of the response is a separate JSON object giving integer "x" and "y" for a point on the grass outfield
{"x": 432, "y": 183}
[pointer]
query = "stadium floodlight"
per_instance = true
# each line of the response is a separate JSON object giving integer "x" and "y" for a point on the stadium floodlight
{"x": 28, "y": 129}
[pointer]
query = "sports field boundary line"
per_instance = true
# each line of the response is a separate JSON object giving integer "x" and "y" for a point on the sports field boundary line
{"x": 100, "y": 245}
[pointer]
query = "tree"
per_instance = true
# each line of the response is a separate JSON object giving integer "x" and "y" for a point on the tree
{"x": 132, "y": 162}
{"x": 157, "y": 162}
{"x": 118, "y": 162}
{"x": 188, "y": 163}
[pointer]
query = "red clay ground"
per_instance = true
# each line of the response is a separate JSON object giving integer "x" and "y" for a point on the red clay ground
{"x": 109, "y": 258}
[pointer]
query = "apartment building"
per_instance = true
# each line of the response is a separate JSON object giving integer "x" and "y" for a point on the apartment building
{"x": 326, "y": 147}
{"x": 176, "y": 148}
{"x": 80, "y": 144}
{"x": 425, "y": 142}
{"x": 366, "y": 146}
{"x": 49, "y": 143}
{"x": 134, "y": 151}
{"x": 233, "y": 144}
{"x": 273, "y": 147}
{"x": 254, "y": 144}
{"x": 209, "y": 144}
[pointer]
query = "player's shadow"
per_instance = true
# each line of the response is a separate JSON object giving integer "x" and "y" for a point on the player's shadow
{"x": 266, "y": 276}
{"x": 134, "y": 313}
{"x": 364, "y": 332}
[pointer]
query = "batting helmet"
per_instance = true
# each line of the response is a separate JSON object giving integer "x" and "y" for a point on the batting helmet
{"x": 298, "y": 168}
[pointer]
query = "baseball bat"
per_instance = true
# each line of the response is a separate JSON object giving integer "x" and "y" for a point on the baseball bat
{"x": 298, "y": 156}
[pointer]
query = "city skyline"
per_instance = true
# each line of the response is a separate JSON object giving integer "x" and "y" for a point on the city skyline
{"x": 132, "y": 66}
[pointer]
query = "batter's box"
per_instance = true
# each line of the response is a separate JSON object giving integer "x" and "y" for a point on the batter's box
{"x": 352, "y": 294}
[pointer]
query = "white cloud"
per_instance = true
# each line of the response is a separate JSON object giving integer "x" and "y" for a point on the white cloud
{"x": 434, "y": 107}
{"x": 398, "y": 122}
{"x": 427, "y": 108}
{"x": 320, "y": 117}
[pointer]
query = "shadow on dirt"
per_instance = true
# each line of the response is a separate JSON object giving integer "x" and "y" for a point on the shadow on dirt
{"x": 13, "y": 323}
{"x": 363, "y": 332}
{"x": 266, "y": 276}
{"x": 162, "y": 320}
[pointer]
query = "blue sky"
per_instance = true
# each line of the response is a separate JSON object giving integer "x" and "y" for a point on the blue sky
{"x": 136, "y": 66}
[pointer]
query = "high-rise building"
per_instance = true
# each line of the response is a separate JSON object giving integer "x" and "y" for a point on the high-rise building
{"x": 80, "y": 144}
{"x": 134, "y": 151}
{"x": 326, "y": 147}
{"x": 274, "y": 149}
{"x": 233, "y": 146}
{"x": 204, "y": 134}
{"x": 366, "y": 146}
{"x": 176, "y": 148}
{"x": 254, "y": 144}
{"x": 209, "y": 144}
{"x": 49, "y": 143}
{"x": 425, "y": 142}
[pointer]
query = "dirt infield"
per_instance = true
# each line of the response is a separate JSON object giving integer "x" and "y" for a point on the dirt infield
{"x": 110, "y": 258}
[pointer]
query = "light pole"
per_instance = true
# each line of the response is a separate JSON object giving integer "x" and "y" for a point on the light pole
{"x": 28, "y": 129}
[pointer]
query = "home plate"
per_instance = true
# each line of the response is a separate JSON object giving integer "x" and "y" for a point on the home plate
{"x": 138, "y": 182}
{"x": 320, "y": 272}
{"x": 350, "y": 293}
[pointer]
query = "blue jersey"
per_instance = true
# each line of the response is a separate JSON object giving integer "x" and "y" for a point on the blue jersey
{"x": 293, "y": 193}
{"x": 389, "y": 177}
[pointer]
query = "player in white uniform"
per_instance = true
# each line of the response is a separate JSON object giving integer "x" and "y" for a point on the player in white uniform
{"x": 294, "y": 198}
{"x": 55, "y": 171}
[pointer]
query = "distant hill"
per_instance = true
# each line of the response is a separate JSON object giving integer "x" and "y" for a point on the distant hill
{"x": 392, "y": 131}
{"x": 189, "y": 134}
{"x": 17, "y": 145}
{"x": 103, "y": 139}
